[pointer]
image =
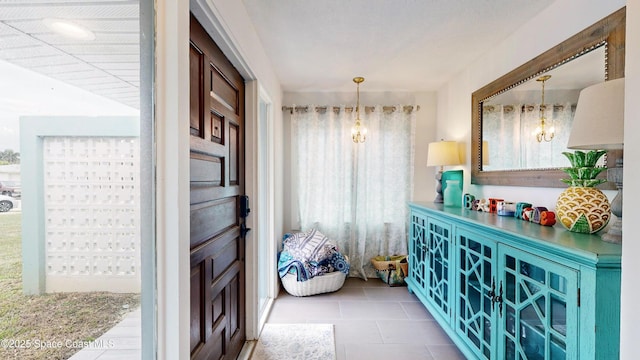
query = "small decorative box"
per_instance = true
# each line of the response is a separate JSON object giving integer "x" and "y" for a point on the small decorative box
{"x": 483, "y": 205}
{"x": 493, "y": 204}
{"x": 547, "y": 218}
{"x": 468, "y": 201}
{"x": 506, "y": 208}
{"x": 520, "y": 209}
{"x": 535, "y": 217}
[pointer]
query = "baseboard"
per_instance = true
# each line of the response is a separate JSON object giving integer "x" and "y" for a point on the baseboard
{"x": 247, "y": 350}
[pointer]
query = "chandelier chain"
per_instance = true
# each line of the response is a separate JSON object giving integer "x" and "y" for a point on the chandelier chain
{"x": 358, "y": 131}
{"x": 541, "y": 132}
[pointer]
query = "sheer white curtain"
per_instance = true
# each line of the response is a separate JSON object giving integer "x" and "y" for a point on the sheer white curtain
{"x": 355, "y": 193}
{"x": 501, "y": 129}
{"x": 509, "y": 130}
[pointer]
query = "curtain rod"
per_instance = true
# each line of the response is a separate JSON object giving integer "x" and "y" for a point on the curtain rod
{"x": 508, "y": 108}
{"x": 336, "y": 109}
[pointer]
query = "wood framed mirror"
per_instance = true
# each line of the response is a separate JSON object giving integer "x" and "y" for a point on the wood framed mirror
{"x": 607, "y": 34}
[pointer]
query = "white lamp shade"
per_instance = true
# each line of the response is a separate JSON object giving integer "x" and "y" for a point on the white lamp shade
{"x": 599, "y": 119}
{"x": 443, "y": 153}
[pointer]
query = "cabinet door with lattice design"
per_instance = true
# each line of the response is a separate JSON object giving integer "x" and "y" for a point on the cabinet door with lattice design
{"x": 417, "y": 279}
{"x": 538, "y": 309}
{"x": 475, "y": 275}
{"x": 439, "y": 243}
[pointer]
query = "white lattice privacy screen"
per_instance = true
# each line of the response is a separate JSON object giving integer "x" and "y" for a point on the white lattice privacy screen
{"x": 92, "y": 213}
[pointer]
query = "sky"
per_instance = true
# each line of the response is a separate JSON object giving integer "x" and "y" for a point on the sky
{"x": 24, "y": 92}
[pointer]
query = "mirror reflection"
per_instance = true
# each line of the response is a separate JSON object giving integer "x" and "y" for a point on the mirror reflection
{"x": 512, "y": 120}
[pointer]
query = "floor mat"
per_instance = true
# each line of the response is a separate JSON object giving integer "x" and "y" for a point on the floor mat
{"x": 296, "y": 342}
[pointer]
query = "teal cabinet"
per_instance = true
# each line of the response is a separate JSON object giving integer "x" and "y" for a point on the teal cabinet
{"x": 476, "y": 290}
{"x": 430, "y": 262}
{"x": 538, "y": 307}
{"x": 439, "y": 267}
{"x": 503, "y": 288}
{"x": 418, "y": 253}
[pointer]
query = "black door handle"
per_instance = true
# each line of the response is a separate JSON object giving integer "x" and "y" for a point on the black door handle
{"x": 244, "y": 230}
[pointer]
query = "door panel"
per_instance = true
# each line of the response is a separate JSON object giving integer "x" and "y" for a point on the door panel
{"x": 225, "y": 213}
{"x": 206, "y": 170}
{"x": 196, "y": 297}
{"x": 196, "y": 62}
{"x": 217, "y": 181}
{"x": 475, "y": 273}
{"x": 234, "y": 144}
{"x": 418, "y": 252}
{"x": 223, "y": 90}
{"x": 439, "y": 238}
{"x": 540, "y": 309}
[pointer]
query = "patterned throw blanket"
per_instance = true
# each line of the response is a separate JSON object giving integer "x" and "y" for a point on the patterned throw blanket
{"x": 310, "y": 254}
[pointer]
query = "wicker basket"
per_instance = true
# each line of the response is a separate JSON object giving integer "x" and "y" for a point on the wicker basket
{"x": 328, "y": 282}
{"x": 391, "y": 269}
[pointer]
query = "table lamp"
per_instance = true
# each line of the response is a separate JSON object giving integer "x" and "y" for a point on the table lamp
{"x": 442, "y": 153}
{"x": 598, "y": 124}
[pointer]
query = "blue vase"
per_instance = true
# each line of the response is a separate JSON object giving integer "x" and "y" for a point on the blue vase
{"x": 453, "y": 194}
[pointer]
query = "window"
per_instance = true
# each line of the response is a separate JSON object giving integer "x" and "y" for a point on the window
{"x": 355, "y": 193}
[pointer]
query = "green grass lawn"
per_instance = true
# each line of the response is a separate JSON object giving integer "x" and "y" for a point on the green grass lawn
{"x": 27, "y": 319}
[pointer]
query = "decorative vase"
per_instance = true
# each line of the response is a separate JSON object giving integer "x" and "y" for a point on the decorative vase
{"x": 582, "y": 207}
{"x": 453, "y": 194}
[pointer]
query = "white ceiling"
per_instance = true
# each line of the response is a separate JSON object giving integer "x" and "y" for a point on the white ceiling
{"x": 320, "y": 45}
{"x": 397, "y": 45}
{"x": 107, "y": 66}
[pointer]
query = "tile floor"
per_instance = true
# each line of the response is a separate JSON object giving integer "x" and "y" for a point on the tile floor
{"x": 372, "y": 321}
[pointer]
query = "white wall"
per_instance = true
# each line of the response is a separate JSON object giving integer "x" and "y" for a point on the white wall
{"x": 172, "y": 189}
{"x": 424, "y": 179}
{"x": 367, "y": 98}
{"x": 424, "y": 183}
{"x": 630, "y": 317}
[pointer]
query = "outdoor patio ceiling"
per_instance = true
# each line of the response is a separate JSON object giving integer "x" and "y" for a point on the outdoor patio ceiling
{"x": 105, "y": 59}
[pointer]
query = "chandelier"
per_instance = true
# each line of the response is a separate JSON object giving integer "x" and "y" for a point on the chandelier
{"x": 541, "y": 132}
{"x": 358, "y": 131}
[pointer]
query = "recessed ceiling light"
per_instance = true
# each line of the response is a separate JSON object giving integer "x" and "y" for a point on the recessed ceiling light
{"x": 69, "y": 29}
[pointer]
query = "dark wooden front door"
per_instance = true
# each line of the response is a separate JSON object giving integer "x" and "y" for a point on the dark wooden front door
{"x": 217, "y": 182}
